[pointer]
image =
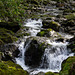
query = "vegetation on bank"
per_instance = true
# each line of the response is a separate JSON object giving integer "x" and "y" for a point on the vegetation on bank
{"x": 17, "y": 10}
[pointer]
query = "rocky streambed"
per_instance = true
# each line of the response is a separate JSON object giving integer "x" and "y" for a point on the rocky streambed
{"x": 45, "y": 43}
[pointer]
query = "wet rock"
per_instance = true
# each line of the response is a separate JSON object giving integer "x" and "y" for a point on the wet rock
{"x": 9, "y": 51}
{"x": 40, "y": 73}
{"x": 72, "y": 44}
{"x": 60, "y": 40}
{"x": 48, "y": 33}
{"x": 34, "y": 52}
{"x": 69, "y": 26}
{"x": 45, "y": 33}
{"x": 51, "y": 24}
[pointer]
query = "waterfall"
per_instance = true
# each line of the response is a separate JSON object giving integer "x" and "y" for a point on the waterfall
{"x": 55, "y": 55}
{"x": 52, "y": 57}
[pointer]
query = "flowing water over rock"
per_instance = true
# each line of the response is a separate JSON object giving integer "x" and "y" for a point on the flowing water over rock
{"x": 53, "y": 55}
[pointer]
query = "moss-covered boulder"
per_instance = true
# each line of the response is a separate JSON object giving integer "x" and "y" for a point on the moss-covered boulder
{"x": 6, "y": 36}
{"x": 10, "y": 68}
{"x": 67, "y": 68}
{"x": 51, "y": 24}
{"x": 34, "y": 52}
{"x": 49, "y": 73}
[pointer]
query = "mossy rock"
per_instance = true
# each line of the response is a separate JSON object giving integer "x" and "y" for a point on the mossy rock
{"x": 51, "y": 73}
{"x": 70, "y": 16}
{"x": 72, "y": 44}
{"x": 66, "y": 66}
{"x": 10, "y": 68}
{"x": 7, "y": 36}
{"x": 45, "y": 33}
{"x": 51, "y": 24}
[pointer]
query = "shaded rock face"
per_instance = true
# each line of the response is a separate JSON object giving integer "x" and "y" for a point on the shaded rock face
{"x": 72, "y": 44}
{"x": 69, "y": 26}
{"x": 9, "y": 52}
{"x": 10, "y": 26}
{"x": 34, "y": 53}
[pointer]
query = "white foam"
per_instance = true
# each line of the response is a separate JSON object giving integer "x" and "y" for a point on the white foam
{"x": 34, "y": 26}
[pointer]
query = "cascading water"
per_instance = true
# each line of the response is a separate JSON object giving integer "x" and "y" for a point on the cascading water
{"x": 34, "y": 26}
{"x": 53, "y": 56}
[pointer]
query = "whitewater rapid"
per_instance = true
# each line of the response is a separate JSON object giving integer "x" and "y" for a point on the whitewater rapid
{"x": 54, "y": 55}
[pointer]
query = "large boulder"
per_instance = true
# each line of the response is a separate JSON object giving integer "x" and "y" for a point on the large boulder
{"x": 51, "y": 24}
{"x": 51, "y": 73}
{"x": 34, "y": 52}
{"x": 10, "y": 68}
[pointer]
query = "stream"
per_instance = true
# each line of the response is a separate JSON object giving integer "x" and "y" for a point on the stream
{"x": 53, "y": 55}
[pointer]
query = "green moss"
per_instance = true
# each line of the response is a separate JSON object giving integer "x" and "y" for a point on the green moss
{"x": 7, "y": 36}
{"x": 70, "y": 16}
{"x": 10, "y": 68}
{"x": 66, "y": 65}
{"x": 41, "y": 33}
{"x": 45, "y": 32}
{"x": 49, "y": 73}
{"x": 51, "y": 24}
{"x": 10, "y": 63}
